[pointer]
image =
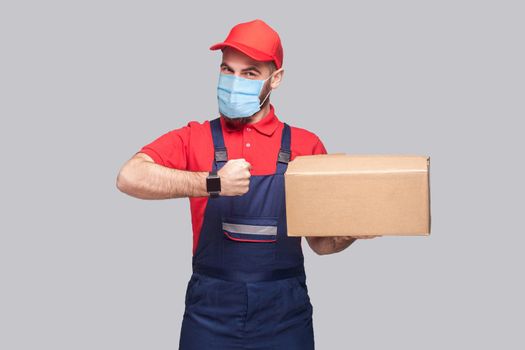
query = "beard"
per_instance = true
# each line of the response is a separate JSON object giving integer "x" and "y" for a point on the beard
{"x": 236, "y": 123}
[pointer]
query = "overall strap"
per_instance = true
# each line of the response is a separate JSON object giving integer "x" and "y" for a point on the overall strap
{"x": 220, "y": 152}
{"x": 284, "y": 153}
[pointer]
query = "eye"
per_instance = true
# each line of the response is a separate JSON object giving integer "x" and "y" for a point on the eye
{"x": 225, "y": 69}
{"x": 251, "y": 74}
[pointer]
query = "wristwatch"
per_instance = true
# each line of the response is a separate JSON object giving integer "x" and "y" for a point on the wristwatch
{"x": 213, "y": 184}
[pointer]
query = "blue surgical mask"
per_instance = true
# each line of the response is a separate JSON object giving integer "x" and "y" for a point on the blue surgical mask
{"x": 239, "y": 97}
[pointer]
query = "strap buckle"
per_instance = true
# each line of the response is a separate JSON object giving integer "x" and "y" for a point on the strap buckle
{"x": 284, "y": 156}
{"x": 221, "y": 155}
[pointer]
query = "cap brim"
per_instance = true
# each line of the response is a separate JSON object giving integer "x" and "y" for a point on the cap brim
{"x": 255, "y": 54}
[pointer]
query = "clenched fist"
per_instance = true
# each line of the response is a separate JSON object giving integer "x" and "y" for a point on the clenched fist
{"x": 235, "y": 177}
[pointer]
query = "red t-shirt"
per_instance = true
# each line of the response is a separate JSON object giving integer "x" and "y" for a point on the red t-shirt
{"x": 191, "y": 148}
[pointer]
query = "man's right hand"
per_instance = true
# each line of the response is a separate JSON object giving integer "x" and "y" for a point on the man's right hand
{"x": 235, "y": 177}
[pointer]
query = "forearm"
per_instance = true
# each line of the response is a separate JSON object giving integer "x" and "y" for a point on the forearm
{"x": 329, "y": 245}
{"x": 148, "y": 180}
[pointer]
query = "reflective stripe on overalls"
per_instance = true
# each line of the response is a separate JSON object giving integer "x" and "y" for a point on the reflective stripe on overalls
{"x": 248, "y": 287}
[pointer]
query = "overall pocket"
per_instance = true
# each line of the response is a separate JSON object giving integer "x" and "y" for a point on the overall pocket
{"x": 250, "y": 228}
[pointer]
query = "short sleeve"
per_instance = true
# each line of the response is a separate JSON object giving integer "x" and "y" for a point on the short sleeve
{"x": 319, "y": 147}
{"x": 170, "y": 149}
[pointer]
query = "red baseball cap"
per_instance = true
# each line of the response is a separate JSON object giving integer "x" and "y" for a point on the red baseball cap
{"x": 255, "y": 39}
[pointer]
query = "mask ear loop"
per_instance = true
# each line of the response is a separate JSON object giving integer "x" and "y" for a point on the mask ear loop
{"x": 268, "y": 94}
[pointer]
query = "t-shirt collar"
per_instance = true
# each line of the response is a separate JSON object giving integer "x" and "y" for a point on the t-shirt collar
{"x": 267, "y": 125}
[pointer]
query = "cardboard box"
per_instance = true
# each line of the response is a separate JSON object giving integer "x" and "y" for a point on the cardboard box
{"x": 353, "y": 195}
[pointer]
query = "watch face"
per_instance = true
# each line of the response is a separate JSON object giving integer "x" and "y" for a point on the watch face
{"x": 213, "y": 184}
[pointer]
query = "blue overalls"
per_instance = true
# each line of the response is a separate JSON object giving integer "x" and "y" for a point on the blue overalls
{"x": 248, "y": 286}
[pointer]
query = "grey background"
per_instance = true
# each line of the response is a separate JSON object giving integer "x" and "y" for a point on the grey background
{"x": 84, "y": 84}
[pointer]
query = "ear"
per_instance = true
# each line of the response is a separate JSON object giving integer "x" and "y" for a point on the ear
{"x": 275, "y": 81}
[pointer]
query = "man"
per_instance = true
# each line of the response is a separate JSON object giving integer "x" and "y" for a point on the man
{"x": 248, "y": 286}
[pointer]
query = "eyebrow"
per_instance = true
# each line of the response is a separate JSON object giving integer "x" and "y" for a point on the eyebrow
{"x": 254, "y": 68}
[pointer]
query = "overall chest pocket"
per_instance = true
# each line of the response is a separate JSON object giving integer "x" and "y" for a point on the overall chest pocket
{"x": 250, "y": 228}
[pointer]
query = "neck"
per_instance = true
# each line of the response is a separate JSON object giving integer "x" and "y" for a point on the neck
{"x": 261, "y": 114}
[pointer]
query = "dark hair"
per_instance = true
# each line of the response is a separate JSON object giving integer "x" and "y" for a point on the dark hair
{"x": 272, "y": 66}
